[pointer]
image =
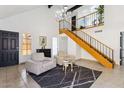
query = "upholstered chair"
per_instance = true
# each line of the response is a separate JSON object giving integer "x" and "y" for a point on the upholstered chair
{"x": 61, "y": 56}
{"x": 39, "y": 64}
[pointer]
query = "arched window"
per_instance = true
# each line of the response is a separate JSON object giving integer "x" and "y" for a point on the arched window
{"x": 26, "y": 44}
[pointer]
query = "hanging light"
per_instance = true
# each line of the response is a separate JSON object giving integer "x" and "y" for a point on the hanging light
{"x": 63, "y": 14}
{"x": 65, "y": 7}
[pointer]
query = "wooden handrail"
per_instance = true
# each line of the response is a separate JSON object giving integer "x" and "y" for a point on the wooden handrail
{"x": 109, "y": 55}
{"x": 86, "y": 15}
{"x": 97, "y": 40}
{"x": 90, "y": 36}
{"x": 81, "y": 17}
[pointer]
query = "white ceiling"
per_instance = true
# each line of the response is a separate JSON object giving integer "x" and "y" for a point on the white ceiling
{"x": 10, "y": 10}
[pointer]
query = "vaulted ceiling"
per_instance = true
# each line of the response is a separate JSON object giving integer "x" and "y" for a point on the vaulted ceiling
{"x": 10, "y": 10}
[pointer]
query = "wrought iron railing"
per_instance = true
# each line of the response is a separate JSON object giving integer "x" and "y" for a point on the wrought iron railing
{"x": 88, "y": 21}
{"x": 101, "y": 48}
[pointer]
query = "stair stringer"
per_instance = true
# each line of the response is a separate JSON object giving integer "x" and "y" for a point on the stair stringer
{"x": 89, "y": 49}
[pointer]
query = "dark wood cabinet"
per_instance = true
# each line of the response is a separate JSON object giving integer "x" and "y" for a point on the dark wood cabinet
{"x": 47, "y": 52}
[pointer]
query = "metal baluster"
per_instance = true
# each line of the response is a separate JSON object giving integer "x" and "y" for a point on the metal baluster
{"x": 100, "y": 47}
{"x": 90, "y": 41}
{"x": 95, "y": 44}
{"x": 93, "y": 22}
{"x": 112, "y": 56}
{"x": 63, "y": 23}
{"x": 92, "y": 19}
{"x": 96, "y": 18}
{"x": 89, "y": 20}
{"x": 106, "y": 52}
{"x": 59, "y": 25}
{"x": 84, "y": 37}
{"x": 103, "y": 50}
{"x": 87, "y": 38}
{"x": 84, "y": 22}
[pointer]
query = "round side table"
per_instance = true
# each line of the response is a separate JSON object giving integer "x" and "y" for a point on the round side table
{"x": 66, "y": 63}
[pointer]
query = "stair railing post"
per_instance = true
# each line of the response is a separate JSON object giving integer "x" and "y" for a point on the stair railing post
{"x": 84, "y": 22}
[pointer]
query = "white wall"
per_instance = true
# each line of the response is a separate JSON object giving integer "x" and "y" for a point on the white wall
{"x": 71, "y": 47}
{"x": 62, "y": 43}
{"x": 54, "y": 46}
{"x": 40, "y": 21}
{"x": 114, "y": 24}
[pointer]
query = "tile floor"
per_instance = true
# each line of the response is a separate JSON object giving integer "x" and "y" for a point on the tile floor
{"x": 16, "y": 77}
{"x": 110, "y": 78}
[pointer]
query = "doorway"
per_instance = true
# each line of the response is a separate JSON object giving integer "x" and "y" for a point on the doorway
{"x": 9, "y": 48}
{"x": 54, "y": 46}
{"x": 63, "y": 43}
{"x": 121, "y": 48}
{"x": 73, "y": 23}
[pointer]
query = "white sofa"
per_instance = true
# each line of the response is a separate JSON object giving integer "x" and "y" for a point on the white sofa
{"x": 61, "y": 56}
{"x": 39, "y": 64}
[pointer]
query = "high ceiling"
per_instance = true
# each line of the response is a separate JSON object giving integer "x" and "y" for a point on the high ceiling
{"x": 10, "y": 10}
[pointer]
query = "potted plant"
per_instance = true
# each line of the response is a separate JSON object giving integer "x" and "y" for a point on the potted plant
{"x": 100, "y": 11}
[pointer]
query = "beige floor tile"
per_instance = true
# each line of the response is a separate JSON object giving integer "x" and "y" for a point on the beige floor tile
{"x": 16, "y": 76}
{"x": 15, "y": 84}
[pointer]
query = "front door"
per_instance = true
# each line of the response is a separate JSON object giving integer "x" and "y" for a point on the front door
{"x": 9, "y": 48}
{"x": 73, "y": 22}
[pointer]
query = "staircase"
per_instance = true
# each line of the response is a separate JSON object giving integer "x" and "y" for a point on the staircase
{"x": 98, "y": 50}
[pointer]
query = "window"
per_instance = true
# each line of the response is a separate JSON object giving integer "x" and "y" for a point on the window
{"x": 26, "y": 44}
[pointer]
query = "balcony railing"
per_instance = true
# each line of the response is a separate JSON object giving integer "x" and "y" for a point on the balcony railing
{"x": 91, "y": 20}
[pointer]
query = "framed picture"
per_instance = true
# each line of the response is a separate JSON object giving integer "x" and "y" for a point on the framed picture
{"x": 43, "y": 41}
